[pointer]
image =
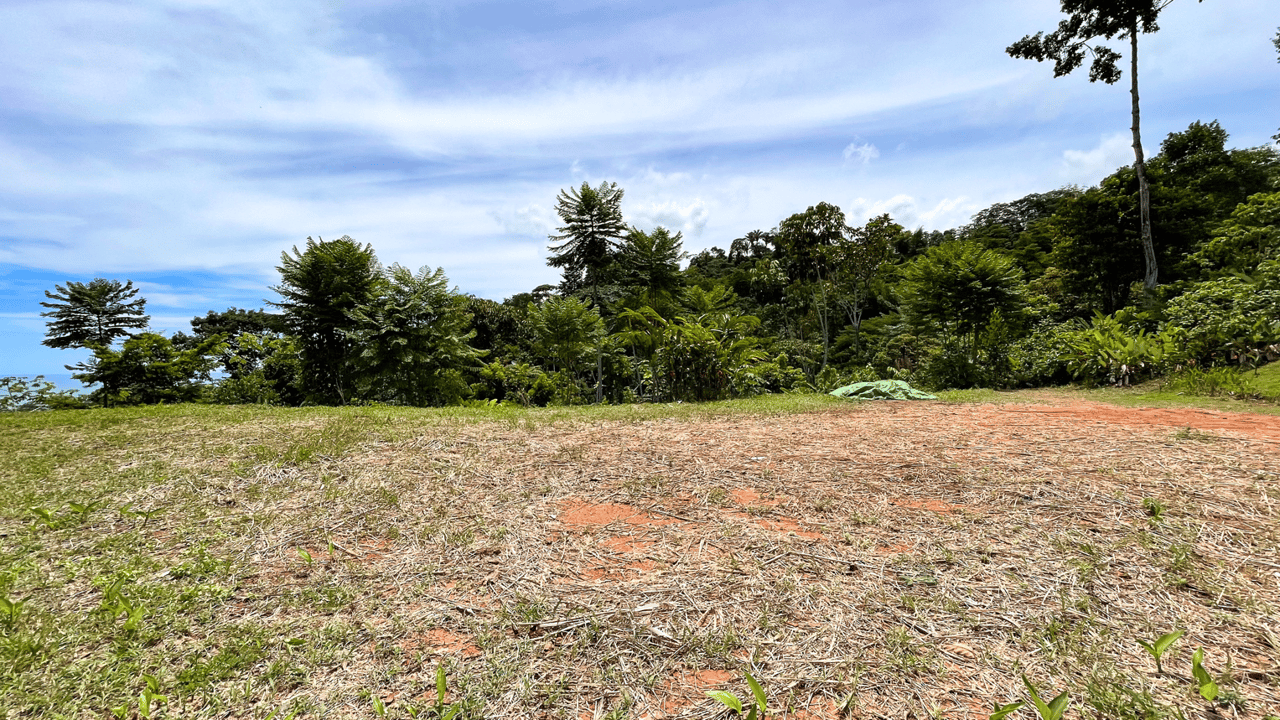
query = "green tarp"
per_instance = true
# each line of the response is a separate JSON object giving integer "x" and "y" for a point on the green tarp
{"x": 882, "y": 390}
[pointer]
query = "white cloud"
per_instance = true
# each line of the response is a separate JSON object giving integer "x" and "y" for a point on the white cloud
{"x": 860, "y": 154}
{"x": 689, "y": 218}
{"x": 1087, "y": 167}
{"x": 907, "y": 211}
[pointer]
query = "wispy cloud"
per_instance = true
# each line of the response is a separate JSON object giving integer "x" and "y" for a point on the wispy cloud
{"x": 860, "y": 153}
{"x": 157, "y": 139}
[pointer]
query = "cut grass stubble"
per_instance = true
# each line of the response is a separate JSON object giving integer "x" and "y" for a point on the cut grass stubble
{"x": 881, "y": 558}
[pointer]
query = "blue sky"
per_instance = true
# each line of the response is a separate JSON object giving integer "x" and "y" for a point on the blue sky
{"x": 185, "y": 144}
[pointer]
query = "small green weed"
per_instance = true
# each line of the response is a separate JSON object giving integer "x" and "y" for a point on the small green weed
{"x": 731, "y": 701}
{"x": 1204, "y": 682}
{"x": 1161, "y": 645}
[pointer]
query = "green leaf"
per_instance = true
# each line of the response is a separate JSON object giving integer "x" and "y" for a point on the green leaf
{"x": 727, "y": 699}
{"x": 1166, "y": 640}
{"x": 1208, "y": 688}
{"x": 1003, "y": 711}
{"x": 441, "y": 686}
{"x": 1052, "y": 710}
{"x": 761, "y": 700}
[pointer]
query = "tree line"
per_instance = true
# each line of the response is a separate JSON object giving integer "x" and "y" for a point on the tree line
{"x": 1042, "y": 290}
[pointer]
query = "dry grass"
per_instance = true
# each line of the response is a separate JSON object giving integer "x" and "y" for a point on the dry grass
{"x": 884, "y": 560}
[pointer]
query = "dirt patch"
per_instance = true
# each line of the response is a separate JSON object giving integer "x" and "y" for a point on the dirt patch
{"x": 747, "y": 497}
{"x": 686, "y": 689}
{"x": 923, "y": 548}
{"x": 442, "y": 642}
{"x": 579, "y": 513}
{"x": 1258, "y": 426}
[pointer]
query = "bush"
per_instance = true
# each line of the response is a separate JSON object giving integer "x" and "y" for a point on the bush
{"x": 1211, "y": 382}
{"x": 1231, "y": 319}
{"x": 953, "y": 366}
{"x": 519, "y": 383}
{"x": 1041, "y": 358}
{"x": 18, "y": 394}
{"x": 1104, "y": 349}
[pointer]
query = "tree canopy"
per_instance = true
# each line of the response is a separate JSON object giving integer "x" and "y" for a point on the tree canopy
{"x": 320, "y": 286}
{"x": 93, "y": 314}
{"x": 589, "y": 239}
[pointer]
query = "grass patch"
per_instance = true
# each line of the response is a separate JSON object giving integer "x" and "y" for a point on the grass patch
{"x": 203, "y": 561}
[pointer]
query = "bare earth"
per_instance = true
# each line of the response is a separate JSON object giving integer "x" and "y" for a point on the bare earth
{"x": 888, "y": 559}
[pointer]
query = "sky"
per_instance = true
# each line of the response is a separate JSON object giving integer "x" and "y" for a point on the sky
{"x": 185, "y": 144}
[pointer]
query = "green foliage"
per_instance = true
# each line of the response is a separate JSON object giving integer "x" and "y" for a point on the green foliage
{"x": 1230, "y": 319}
{"x": 148, "y": 369}
{"x": 1210, "y": 382}
{"x": 520, "y": 383}
{"x": 319, "y": 288}
{"x": 1204, "y": 682}
{"x": 1096, "y": 246}
{"x": 650, "y": 267}
{"x": 1052, "y": 710}
{"x": 1243, "y": 241}
{"x": 706, "y": 354}
{"x": 958, "y": 288}
{"x": 567, "y": 330}
{"x": 18, "y": 394}
{"x": 1000, "y": 712}
{"x": 1104, "y": 349}
{"x": 588, "y": 240}
{"x": 261, "y": 370}
{"x": 1041, "y": 357}
{"x": 1161, "y": 645}
{"x": 758, "y": 708}
{"x": 92, "y": 315}
{"x": 414, "y": 339}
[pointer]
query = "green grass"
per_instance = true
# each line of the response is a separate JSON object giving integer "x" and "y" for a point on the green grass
{"x": 124, "y": 536}
{"x": 1267, "y": 380}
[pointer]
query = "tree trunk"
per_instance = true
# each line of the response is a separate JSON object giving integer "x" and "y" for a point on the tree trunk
{"x": 1144, "y": 192}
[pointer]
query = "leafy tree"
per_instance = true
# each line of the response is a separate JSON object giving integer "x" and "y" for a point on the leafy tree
{"x": 502, "y": 328}
{"x": 148, "y": 369}
{"x": 961, "y": 286}
{"x": 650, "y": 266}
{"x": 1021, "y": 228}
{"x": 1095, "y": 248}
{"x": 234, "y": 321}
{"x": 859, "y": 255}
{"x": 20, "y": 394}
{"x": 320, "y": 287}
{"x": 804, "y": 238}
{"x": 755, "y": 245}
{"x": 414, "y": 337}
{"x": 262, "y": 369}
{"x": 1086, "y": 21}
{"x": 1249, "y": 236}
{"x": 566, "y": 328}
{"x": 805, "y": 243}
{"x": 589, "y": 238}
{"x": 92, "y": 315}
{"x": 1230, "y": 318}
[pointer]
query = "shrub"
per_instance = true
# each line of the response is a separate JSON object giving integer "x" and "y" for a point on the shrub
{"x": 1105, "y": 350}
{"x": 18, "y": 394}
{"x": 1211, "y": 382}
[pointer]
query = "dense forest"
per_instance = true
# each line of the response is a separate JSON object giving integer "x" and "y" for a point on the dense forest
{"x": 1043, "y": 290}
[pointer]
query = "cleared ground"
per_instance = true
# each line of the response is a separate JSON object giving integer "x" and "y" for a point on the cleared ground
{"x": 880, "y": 559}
